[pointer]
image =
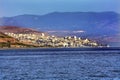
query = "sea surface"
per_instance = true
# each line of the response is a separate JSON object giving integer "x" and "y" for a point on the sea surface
{"x": 60, "y": 64}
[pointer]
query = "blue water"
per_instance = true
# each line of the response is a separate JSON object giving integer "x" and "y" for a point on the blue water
{"x": 114, "y": 44}
{"x": 60, "y": 64}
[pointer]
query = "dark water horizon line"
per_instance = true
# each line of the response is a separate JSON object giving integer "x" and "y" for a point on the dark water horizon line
{"x": 58, "y": 51}
{"x": 64, "y": 49}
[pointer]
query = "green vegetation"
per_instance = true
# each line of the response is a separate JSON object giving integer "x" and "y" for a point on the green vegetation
{"x": 5, "y": 44}
{"x": 8, "y": 44}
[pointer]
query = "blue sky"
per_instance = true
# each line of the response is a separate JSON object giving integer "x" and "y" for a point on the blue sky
{"x": 40, "y": 7}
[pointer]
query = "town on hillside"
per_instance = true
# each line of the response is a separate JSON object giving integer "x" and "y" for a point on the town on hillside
{"x": 44, "y": 40}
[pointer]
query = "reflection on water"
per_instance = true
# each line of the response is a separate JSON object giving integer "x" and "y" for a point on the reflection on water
{"x": 75, "y": 65}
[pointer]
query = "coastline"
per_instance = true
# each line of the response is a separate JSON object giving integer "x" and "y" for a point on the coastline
{"x": 65, "y": 48}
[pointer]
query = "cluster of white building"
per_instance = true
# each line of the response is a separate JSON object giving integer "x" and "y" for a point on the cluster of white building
{"x": 51, "y": 41}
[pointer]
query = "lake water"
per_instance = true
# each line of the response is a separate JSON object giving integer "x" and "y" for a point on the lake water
{"x": 60, "y": 64}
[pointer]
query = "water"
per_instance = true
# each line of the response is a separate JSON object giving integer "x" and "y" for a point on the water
{"x": 60, "y": 64}
{"x": 114, "y": 44}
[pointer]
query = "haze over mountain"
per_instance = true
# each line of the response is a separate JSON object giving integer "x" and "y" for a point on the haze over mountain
{"x": 69, "y": 23}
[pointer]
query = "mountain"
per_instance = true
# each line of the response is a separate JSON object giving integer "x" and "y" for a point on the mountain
{"x": 69, "y": 23}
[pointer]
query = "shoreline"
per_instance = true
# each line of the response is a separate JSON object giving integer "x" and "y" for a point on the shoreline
{"x": 65, "y": 48}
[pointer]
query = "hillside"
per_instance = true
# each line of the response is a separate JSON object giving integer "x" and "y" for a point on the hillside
{"x": 6, "y": 38}
{"x": 105, "y": 22}
{"x": 2, "y": 35}
{"x": 9, "y": 42}
{"x": 15, "y": 29}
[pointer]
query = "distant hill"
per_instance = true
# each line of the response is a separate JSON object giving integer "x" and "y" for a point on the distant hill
{"x": 90, "y": 22}
{"x": 69, "y": 23}
{"x": 15, "y": 29}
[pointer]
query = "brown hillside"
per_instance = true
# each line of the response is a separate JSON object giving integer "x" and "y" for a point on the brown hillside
{"x": 6, "y": 38}
{"x": 7, "y": 41}
{"x": 14, "y": 29}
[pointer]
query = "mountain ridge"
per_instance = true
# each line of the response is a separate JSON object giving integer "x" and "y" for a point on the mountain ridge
{"x": 92, "y": 23}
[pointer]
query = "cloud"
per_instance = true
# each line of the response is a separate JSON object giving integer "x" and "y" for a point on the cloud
{"x": 57, "y": 31}
{"x": 80, "y": 31}
{"x": 64, "y": 31}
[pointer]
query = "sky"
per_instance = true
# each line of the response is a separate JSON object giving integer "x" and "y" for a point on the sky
{"x": 39, "y": 7}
